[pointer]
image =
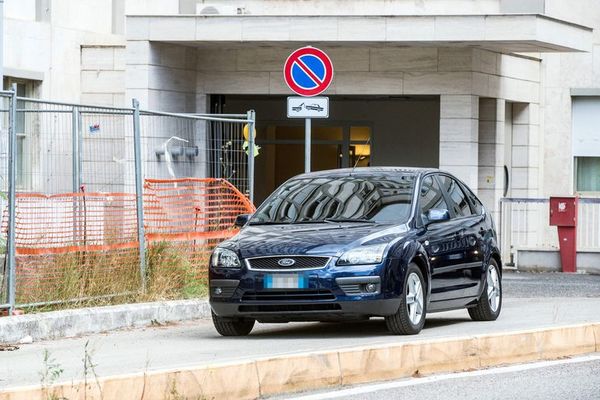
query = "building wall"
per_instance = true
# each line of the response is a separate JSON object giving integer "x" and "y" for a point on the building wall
{"x": 350, "y": 7}
{"x": 560, "y": 74}
{"x": 103, "y": 75}
{"x": 44, "y": 44}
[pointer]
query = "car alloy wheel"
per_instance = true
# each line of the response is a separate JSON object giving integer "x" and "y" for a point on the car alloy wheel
{"x": 414, "y": 298}
{"x": 493, "y": 287}
{"x": 410, "y": 317}
{"x": 489, "y": 304}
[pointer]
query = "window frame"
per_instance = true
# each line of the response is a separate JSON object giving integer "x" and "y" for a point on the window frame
{"x": 418, "y": 213}
{"x": 594, "y": 193}
{"x": 24, "y": 174}
{"x": 471, "y": 197}
{"x": 449, "y": 198}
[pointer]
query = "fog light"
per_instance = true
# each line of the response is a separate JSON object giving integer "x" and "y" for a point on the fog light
{"x": 218, "y": 291}
{"x": 371, "y": 287}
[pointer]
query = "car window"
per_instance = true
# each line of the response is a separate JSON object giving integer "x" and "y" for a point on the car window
{"x": 385, "y": 199}
{"x": 430, "y": 197}
{"x": 475, "y": 202}
{"x": 460, "y": 204}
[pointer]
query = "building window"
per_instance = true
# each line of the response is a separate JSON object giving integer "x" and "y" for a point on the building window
{"x": 24, "y": 145}
{"x": 586, "y": 143}
{"x": 587, "y": 176}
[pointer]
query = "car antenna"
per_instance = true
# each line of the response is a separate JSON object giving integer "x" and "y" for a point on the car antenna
{"x": 358, "y": 158}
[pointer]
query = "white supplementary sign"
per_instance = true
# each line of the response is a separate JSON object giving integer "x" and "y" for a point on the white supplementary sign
{"x": 307, "y": 107}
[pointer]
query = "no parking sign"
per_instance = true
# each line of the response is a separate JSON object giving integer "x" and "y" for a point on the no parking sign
{"x": 308, "y": 71}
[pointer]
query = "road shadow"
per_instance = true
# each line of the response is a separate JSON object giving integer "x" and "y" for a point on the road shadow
{"x": 342, "y": 330}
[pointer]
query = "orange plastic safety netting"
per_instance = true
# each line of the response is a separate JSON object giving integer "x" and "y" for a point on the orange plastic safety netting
{"x": 85, "y": 244}
{"x": 75, "y": 245}
{"x": 192, "y": 215}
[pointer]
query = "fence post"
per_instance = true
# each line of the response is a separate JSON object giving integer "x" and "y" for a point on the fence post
{"x": 139, "y": 191}
{"x": 251, "y": 128}
{"x": 75, "y": 148}
{"x": 12, "y": 195}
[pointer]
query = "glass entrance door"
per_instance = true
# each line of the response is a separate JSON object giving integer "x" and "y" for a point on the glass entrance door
{"x": 282, "y": 152}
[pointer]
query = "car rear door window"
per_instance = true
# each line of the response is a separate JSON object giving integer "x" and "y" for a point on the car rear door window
{"x": 430, "y": 197}
{"x": 475, "y": 202}
{"x": 460, "y": 204}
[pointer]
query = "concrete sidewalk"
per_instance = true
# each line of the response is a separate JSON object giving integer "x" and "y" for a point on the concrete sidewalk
{"x": 85, "y": 321}
{"x": 195, "y": 343}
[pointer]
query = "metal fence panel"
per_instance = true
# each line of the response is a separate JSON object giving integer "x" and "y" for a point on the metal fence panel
{"x": 524, "y": 225}
{"x": 5, "y": 99}
{"x": 80, "y": 203}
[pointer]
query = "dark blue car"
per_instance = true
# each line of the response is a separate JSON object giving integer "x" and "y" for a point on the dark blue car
{"x": 358, "y": 243}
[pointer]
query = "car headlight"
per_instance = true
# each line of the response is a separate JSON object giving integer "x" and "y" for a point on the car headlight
{"x": 372, "y": 254}
{"x": 225, "y": 258}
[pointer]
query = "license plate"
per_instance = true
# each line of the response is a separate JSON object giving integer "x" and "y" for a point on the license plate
{"x": 285, "y": 281}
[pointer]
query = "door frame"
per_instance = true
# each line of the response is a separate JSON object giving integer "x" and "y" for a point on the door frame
{"x": 345, "y": 142}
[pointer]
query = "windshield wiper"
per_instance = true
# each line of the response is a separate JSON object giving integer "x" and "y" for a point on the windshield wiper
{"x": 268, "y": 223}
{"x": 336, "y": 220}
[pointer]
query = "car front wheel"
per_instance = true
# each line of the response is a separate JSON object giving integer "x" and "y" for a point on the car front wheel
{"x": 232, "y": 327}
{"x": 410, "y": 317}
{"x": 490, "y": 303}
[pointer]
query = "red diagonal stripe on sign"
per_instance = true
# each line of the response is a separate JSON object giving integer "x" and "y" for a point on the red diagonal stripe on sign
{"x": 308, "y": 71}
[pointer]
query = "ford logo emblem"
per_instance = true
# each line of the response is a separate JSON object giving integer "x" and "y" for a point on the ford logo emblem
{"x": 286, "y": 262}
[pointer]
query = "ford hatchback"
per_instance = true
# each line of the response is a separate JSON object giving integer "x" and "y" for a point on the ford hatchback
{"x": 357, "y": 243}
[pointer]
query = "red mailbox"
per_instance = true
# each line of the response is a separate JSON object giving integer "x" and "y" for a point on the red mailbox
{"x": 563, "y": 214}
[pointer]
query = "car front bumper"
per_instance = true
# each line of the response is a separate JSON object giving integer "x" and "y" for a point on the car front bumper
{"x": 332, "y": 293}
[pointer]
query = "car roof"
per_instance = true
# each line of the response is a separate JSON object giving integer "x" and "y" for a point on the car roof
{"x": 368, "y": 171}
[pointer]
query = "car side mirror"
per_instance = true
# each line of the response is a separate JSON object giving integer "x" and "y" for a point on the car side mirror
{"x": 437, "y": 215}
{"x": 242, "y": 220}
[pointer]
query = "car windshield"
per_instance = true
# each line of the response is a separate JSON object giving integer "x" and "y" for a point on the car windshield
{"x": 354, "y": 198}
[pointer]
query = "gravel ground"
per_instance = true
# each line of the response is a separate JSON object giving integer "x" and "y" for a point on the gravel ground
{"x": 550, "y": 284}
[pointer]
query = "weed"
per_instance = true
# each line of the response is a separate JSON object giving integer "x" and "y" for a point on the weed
{"x": 89, "y": 366}
{"x": 51, "y": 371}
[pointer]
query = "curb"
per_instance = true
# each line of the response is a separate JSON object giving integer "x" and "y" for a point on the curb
{"x": 70, "y": 323}
{"x": 310, "y": 371}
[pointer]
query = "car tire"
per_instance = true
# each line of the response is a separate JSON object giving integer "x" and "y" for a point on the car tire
{"x": 407, "y": 320}
{"x": 490, "y": 303}
{"x": 232, "y": 327}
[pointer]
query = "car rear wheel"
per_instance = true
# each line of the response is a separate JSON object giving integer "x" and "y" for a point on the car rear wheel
{"x": 232, "y": 327}
{"x": 490, "y": 303}
{"x": 410, "y": 317}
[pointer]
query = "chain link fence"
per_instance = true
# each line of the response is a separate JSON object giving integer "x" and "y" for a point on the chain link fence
{"x": 104, "y": 201}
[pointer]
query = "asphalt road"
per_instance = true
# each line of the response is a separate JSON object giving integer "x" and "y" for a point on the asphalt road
{"x": 196, "y": 343}
{"x": 574, "y": 379}
{"x": 532, "y": 285}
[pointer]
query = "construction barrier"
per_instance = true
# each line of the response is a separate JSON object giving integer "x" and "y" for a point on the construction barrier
{"x": 192, "y": 215}
{"x": 77, "y": 245}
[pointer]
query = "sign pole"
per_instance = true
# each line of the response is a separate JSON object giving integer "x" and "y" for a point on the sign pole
{"x": 308, "y": 71}
{"x": 307, "y": 137}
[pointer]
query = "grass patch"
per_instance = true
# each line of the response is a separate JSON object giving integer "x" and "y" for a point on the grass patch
{"x": 85, "y": 279}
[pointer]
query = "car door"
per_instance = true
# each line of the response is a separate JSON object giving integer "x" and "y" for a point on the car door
{"x": 469, "y": 238}
{"x": 440, "y": 243}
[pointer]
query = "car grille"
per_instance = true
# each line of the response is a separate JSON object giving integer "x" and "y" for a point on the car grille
{"x": 288, "y": 295}
{"x": 300, "y": 262}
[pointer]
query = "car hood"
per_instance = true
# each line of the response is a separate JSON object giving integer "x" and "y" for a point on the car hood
{"x": 311, "y": 239}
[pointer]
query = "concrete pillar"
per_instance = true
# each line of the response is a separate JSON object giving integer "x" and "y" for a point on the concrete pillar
{"x": 459, "y": 136}
{"x": 525, "y": 150}
{"x": 525, "y": 170}
{"x": 491, "y": 153}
